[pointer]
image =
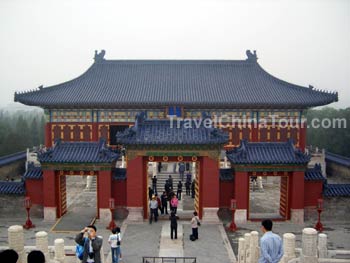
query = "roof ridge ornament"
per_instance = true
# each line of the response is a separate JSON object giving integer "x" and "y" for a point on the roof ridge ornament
{"x": 99, "y": 57}
{"x": 252, "y": 57}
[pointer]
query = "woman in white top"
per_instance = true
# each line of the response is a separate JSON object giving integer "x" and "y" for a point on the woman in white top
{"x": 194, "y": 224}
{"x": 114, "y": 241}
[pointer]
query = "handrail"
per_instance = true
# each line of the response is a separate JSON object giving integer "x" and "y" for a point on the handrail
{"x": 169, "y": 260}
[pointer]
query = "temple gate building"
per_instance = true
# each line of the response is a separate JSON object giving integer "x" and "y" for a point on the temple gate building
{"x": 177, "y": 111}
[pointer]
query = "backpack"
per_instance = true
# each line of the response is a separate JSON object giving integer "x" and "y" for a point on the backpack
{"x": 79, "y": 250}
{"x": 174, "y": 202}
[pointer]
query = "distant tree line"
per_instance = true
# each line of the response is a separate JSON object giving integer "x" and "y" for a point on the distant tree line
{"x": 20, "y": 130}
{"x": 332, "y": 135}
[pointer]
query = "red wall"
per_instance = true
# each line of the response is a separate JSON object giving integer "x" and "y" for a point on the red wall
{"x": 210, "y": 183}
{"x": 119, "y": 192}
{"x": 34, "y": 189}
{"x": 134, "y": 183}
{"x": 241, "y": 189}
{"x": 50, "y": 188}
{"x": 104, "y": 188}
{"x": 313, "y": 191}
{"x": 297, "y": 190}
{"x": 226, "y": 193}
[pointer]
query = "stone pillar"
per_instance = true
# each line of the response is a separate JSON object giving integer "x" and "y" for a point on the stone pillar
{"x": 309, "y": 246}
{"x": 59, "y": 250}
{"x": 241, "y": 250}
{"x": 16, "y": 242}
{"x": 288, "y": 247}
{"x": 260, "y": 184}
{"x": 123, "y": 161}
{"x": 42, "y": 244}
{"x": 254, "y": 247}
{"x": 322, "y": 246}
{"x": 247, "y": 246}
{"x": 194, "y": 174}
{"x": 89, "y": 181}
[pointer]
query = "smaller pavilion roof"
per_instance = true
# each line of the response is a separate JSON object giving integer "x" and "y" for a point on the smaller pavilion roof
{"x": 8, "y": 159}
{"x": 334, "y": 190}
{"x": 12, "y": 188}
{"x": 148, "y": 132}
{"x": 33, "y": 172}
{"x": 314, "y": 173}
{"x": 79, "y": 152}
{"x": 339, "y": 159}
{"x": 267, "y": 153}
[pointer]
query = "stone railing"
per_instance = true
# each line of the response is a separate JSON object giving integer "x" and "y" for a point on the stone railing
{"x": 53, "y": 254}
{"x": 313, "y": 250}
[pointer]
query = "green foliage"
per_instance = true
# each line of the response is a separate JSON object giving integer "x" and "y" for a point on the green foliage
{"x": 20, "y": 130}
{"x": 334, "y": 139}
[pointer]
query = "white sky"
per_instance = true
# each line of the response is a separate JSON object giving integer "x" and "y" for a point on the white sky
{"x": 48, "y": 42}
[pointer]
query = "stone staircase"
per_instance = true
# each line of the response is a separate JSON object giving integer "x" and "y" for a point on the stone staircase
{"x": 161, "y": 179}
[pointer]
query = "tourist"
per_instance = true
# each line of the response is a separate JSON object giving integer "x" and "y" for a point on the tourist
{"x": 271, "y": 249}
{"x": 159, "y": 167}
{"x": 8, "y": 256}
{"x": 159, "y": 204}
{"x": 150, "y": 193}
{"x": 92, "y": 245}
{"x": 164, "y": 200}
{"x": 193, "y": 188}
{"x": 182, "y": 168}
{"x": 153, "y": 205}
{"x": 188, "y": 177}
{"x": 170, "y": 180}
{"x": 36, "y": 256}
{"x": 114, "y": 241}
{"x": 174, "y": 203}
{"x": 188, "y": 187}
{"x": 179, "y": 190}
{"x": 173, "y": 225}
{"x": 194, "y": 224}
{"x": 167, "y": 187}
{"x": 154, "y": 184}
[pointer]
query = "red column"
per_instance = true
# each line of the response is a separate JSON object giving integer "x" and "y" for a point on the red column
{"x": 95, "y": 132}
{"x": 135, "y": 183}
{"x": 241, "y": 189}
{"x": 48, "y": 133}
{"x": 104, "y": 188}
{"x": 302, "y": 137}
{"x": 49, "y": 188}
{"x": 297, "y": 190}
{"x": 210, "y": 183}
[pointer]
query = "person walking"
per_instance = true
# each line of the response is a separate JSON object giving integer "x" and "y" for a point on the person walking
{"x": 150, "y": 193}
{"x": 174, "y": 203}
{"x": 92, "y": 244}
{"x": 179, "y": 190}
{"x": 170, "y": 180}
{"x": 182, "y": 169}
{"x": 114, "y": 240}
{"x": 188, "y": 187}
{"x": 164, "y": 200}
{"x": 154, "y": 184}
{"x": 193, "y": 189}
{"x": 153, "y": 205}
{"x": 271, "y": 249}
{"x": 159, "y": 204}
{"x": 173, "y": 225}
{"x": 194, "y": 224}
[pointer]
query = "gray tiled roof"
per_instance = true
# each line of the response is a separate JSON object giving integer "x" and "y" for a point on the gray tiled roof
{"x": 33, "y": 172}
{"x": 267, "y": 153}
{"x": 150, "y": 132}
{"x": 314, "y": 174}
{"x": 333, "y": 190}
{"x": 201, "y": 83}
{"x": 8, "y": 159}
{"x": 12, "y": 188}
{"x": 339, "y": 159}
{"x": 79, "y": 152}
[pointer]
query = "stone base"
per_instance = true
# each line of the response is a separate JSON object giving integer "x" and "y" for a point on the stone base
{"x": 105, "y": 215}
{"x": 135, "y": 215}
{"x": 241, "y": 216}
{"x": 50, "y": 213}
{"x": 297, "y": 216}
{"x": 210, "y": 215}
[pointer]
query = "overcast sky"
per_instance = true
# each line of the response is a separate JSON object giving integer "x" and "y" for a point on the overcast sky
{"x": 49, "y": 42}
